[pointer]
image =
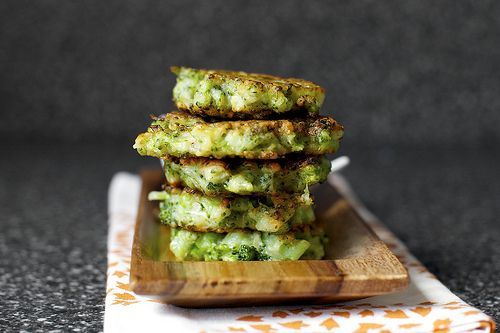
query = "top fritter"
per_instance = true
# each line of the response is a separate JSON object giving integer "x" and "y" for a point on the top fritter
{"x": 240, "y": 95}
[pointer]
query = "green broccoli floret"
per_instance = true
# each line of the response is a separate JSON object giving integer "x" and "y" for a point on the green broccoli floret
{"x": 246, "y": 253}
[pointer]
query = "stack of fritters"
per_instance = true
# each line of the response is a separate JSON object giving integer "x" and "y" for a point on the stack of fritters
{"x": 238, "y": 157}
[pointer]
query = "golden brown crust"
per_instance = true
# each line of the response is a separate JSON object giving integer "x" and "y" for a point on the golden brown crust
{"x": 291, "y": 162}
{"x": 315, "y": 228}
{"x": 240, "y": 115}
{"x": 309, "y": 126}
{"x": 263, "y": 80}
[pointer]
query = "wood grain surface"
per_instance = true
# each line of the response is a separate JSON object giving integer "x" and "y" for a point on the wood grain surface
{"x": 357, "y": 263}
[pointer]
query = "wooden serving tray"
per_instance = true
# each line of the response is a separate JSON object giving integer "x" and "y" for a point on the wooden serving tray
{"x": 357, "y": 265}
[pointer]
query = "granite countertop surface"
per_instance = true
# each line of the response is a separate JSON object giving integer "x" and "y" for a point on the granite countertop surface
{"x": 444, "y": 204}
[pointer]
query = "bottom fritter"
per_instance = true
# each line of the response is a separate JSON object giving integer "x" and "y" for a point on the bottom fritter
{"x": 243, "y": 245}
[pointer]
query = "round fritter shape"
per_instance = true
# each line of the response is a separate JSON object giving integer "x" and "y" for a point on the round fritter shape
{"x": 246, "y": 177}
{"x": 240, "y": 95}
{"x": 191, "y": 210}
{"x": 182, "y": 135}
{"x": 244, "y": 245}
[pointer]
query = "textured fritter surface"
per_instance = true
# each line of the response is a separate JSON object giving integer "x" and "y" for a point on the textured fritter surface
{"x": 194, "y": 211}
{"x": 247, "y": 245}
{"x": 227, "y": 94}
{"x": 181, "y": 135}
{"x": 246, "y": 177}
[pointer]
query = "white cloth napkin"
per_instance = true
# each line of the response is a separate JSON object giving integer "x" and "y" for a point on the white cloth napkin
{"x": 425, "y": 306}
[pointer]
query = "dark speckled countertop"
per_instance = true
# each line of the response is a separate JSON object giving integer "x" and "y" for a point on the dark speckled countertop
{"x": 444, "y": 204}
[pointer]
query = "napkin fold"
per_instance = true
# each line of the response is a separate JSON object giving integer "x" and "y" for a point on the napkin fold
{"x": 425, "y": 306}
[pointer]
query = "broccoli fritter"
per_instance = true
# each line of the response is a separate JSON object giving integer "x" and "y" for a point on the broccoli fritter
{"x": 227, "y": 94}
{"x": 194, "y": 211}
{"x": 246, "y": 177}
{"x": 243, "y": 245}
{"x": 181, "y": 135}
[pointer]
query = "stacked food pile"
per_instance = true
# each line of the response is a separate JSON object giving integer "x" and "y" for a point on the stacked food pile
{"x": 238, "y": 157}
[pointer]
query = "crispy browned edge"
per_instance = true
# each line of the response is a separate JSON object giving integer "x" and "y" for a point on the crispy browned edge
{"x": 290, "y": 163}
{"x": 277, "y": 82}
{"x": 305, "y": 126}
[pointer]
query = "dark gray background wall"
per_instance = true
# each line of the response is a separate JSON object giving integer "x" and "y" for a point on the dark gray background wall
{"x": 425, "y": 72}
